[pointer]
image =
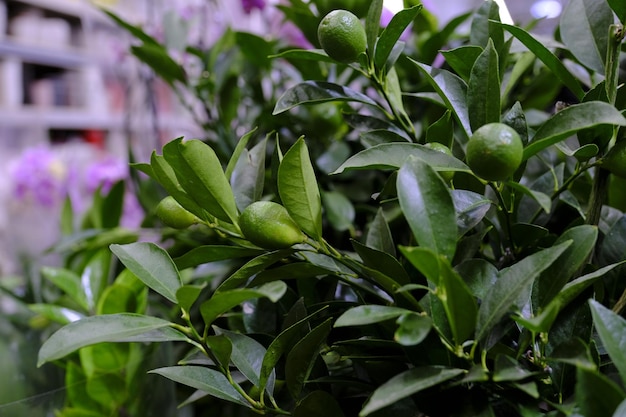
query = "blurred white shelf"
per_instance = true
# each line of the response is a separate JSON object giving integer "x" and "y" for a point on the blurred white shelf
{"x": 59, "y": 118}
{"x": 44, "y": 54}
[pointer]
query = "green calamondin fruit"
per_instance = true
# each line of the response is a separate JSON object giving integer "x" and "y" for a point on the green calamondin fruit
{"x": 342, "y": 36}
{"x": 174, "y": 215}
{"x": 615, "y": 160}
{"x": 268, "y": 225}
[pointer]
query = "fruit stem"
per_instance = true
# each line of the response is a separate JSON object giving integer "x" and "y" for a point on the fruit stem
{"x": 598, "y": 196}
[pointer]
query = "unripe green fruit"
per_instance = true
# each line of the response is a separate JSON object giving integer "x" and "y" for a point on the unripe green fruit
{"x": 615, "y": 160}
{"x": 268, "y": 225}
{"x": 174, "y": 215}
{"x": 494, "y": 152}
{"x": 342, "y": 36}
{"x": 440, "y": 147}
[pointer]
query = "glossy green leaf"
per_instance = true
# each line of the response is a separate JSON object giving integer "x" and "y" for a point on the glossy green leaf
{"x": 548, "y": 58}
{"x": 221, "y": 349}
{"x": 107, "y": 389}
{"x": 305, "y": 54}
{"x": 470, "y": 208}
{"x": 213, "y": 253}
{"x": 574, "y": 352}
{"x": 552, "y": 280}
{"x": 512, "y": 282}
{"x": 425, "y": 260}
{"x": 235, "y": 156}
{"x": 57, "y": 314}
{"x": 252, "y": 267}
{"x": 394, "y": 155}
{"x": 338, "y": 209}
{"x": 369, "y": 314}
{"x": 372, "y": 25}
{"x": 611, "y": 328}
{"x": 187, "y": 295}
{"x": 596, "y": 395}
{"x": 584, "y": 28}
{"x": 118, "y": 298}
{"x": 619, "y": 7}
{"x": 485, "y": 26}
{"x": 68, "y": 282}
{"x": 479, "y": 275}
{"x": 247, "y": 355}
{"x": 157, "y": 57}
{"x": 309, "y": 92}
{"x": 318, "y": 404}
{"x": 299, "y": 191}
{"x": 544, "y": 200}
{"x": 412, "y": 329}
{"x": 379, "y": 235}
{"x": 391, "y": 34}
{"x": 508, "y": 369}
{"x": 452, "y": 90}
{"x": 301, "y": 358}
{"x": 152, "y": 265}
{"x": 204, "y": 379}
{"x": 405, "y": 384}
{"x": 462, "y": 59}
{"x": 483, "y": 89}
{"x": 458, "y": 301}
{"x": 199, "y": 171}
{"x": 223, "y": 301}
{"x": 427, "y": 206}
{"x": 248, "y": 177}
{"x": 569, "y": 121}
{"x": 106, "y": 328}
{"x": 383, "y": 262}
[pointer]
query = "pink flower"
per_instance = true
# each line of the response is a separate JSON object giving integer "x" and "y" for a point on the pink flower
{"x": 249, "y": 5}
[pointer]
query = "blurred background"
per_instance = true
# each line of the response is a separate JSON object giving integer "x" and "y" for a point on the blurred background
{"x": 75, "y": 106}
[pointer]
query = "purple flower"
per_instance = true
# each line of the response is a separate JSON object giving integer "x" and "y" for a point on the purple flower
{"x": 38, "y": 175}
{"x": 249, "y": 5}
{"x": 105, "y": 173}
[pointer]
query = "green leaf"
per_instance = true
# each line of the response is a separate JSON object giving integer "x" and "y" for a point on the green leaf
{"x": 156, "y": 57}
{"x": 306, "y": 54}
{"x": 452, "y": 90}
{"x": 462, "y": 59}
{"x": 619, "y": 7}
{"x": 427, "y": 206}
{"x": 394, "y": 155}
{"x": 392, "y": 33}
{"x": 309, "y": 92}
{"x": 221, "y": 348}
{"x": 425, "y": 260}
{"x": 569, "y": 121}
{"x": 70, "y": 283}
{"x": 187, "y": 295}
{"x": 552, "y": 280}
{"x": 200, "y": 174}
{"x": 223, "y": 301}
{"x": 405, "y": 384}
{"x": 596, "y": 395}
{"x": 372, "y": 25}
{"x": 121, "y": 327}
{"x": 204, "y": 379}
{"x": 485, "y": 26}
{"x": 247, "y": 355}
{"x": 548, "y": 58}
{"x": 442, "y": 131}
{"x": 301, "y": 358}
{"x": 252, "y": 267}
{"x": 412, "y": 329}
{"x": 459, "y": 303}
{"x": 152, "y": 265}
{"x": 318, "y": 404}
{"x": 234, "y": 158}
{"x": 612, "y": 331}
{"x": 544, "y": 200}
{"x": 368, "y": 314}
{"x": 56, "y": 313}
{"x": 299, "y": 191}
{"x": 248, "y": 177}
{"x": 339, "y": 210}
{"x": 383, "y": 262}
{"x": 584, "y": 28}
{"x": 135, "y": 31}
{"x": 511, "y": 283}
{"x": 470, "y": 209}
{"x": 379, "y": 235}
{"x": 483, "y": 90}
{"x": 213, "y": 253}
{"x": 508, "y": 369}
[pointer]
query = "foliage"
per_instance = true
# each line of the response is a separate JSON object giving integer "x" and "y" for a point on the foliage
{"x": 409, "y": 289}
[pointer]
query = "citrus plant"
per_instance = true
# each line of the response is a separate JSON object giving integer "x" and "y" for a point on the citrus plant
{"x": 360, "y": 279}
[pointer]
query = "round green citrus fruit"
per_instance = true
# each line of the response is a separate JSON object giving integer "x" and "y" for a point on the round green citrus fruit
{"x": 268, "y": 225}
{"x": 174, "y": 215}
{"x": 494, "y": 152}
{"x": 342, "y": 36}
{"x": 615, "y": 160}
{"x": 440, "y": 147}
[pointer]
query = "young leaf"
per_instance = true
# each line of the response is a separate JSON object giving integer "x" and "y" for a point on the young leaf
{"x": 462, "y": 59}
{"x": 299, "y": 191}
{"x": 584, "y": 29}
{"x": 152, "y": 265}
{"x": 483, "y": 90}
{"x": 379, "y": 235}
{"x": 394, "y": 155}
{"x": 372, "y": 25}
{"x": 248, "y": 177}
{"x": 405, "y": 384}
{"x": 368, "y": 314}
{"x": 301, "y": 358}
{"x": 309, "y": 92}
{"x": 157, "y": 58}
{"x": 569, "y": 121}
{"x": 121, "y": 327}
{"x": 391, "y": 34}
{"x": 458, "y": 302}
{"x": 513, "y": 281}
{"x": 187, "y": 295}
{"x": 612, "y": 331}
{"x": 412, "y": 329}
{"x": 223, "y": 301}
{"x": 382, "y": 262}
{"x": 56, "y": 313}
{"x": 204, "y": 379}
{"x": 339, "y": 210}
{"x": 234, "y": 158}
{"x": 427, "y": 205}
{"x": 452, "y": 90}
{"x": 68, "y": 282}
{"x": 485, "y": 26}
